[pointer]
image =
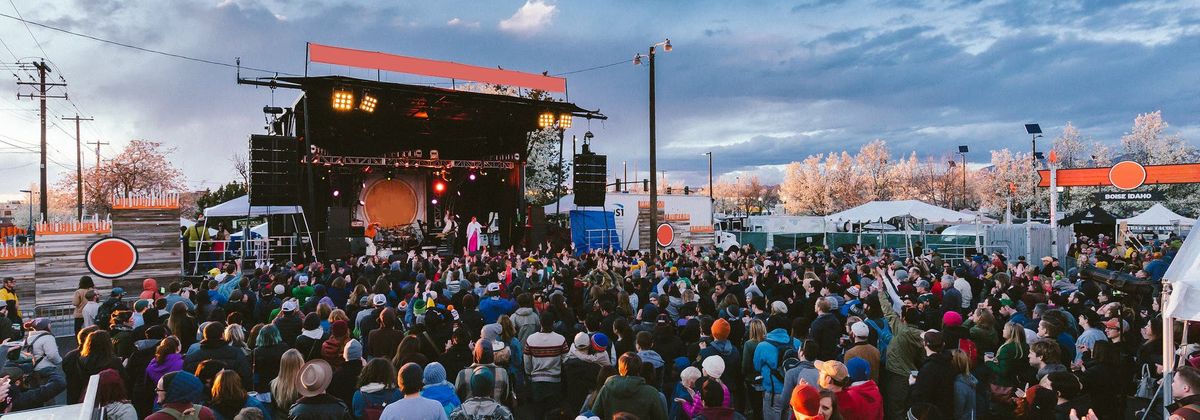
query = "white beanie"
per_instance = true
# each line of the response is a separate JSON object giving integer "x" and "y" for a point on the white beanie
{"x": 860, "y": 329}
{"x": 714, "y": 366}
{"x": 690, "y": 374}
{"x": 779, "y": 307}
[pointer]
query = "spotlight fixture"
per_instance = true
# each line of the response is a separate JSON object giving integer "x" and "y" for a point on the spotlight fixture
{"x": 439, "y": 187}
{"x": 434, "y": 201}
{"x": 546, "y": 119}
{"x": 336, "y": 193}
{"x": 343, "y": 100}
{"x": 368, "y": 103}
{"x": 362, "y": 203}
{"x": 564, "y": 120}
{"x": 471, "y": 176}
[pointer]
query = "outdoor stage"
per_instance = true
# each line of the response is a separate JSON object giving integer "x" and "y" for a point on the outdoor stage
{"x": 394, "y": 159}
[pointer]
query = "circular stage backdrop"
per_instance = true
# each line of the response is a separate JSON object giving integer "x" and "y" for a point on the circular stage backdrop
{"x": 390, "y": 203}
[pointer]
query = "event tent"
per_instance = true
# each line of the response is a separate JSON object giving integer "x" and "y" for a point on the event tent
{"x": 240, "y": 207}
{"x": 1158, "y": 215}
{"x": 1095, "y": 215}
{"x": 886, "y": 210}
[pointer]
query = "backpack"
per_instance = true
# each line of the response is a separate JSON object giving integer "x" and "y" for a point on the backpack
{"x": 191, "y": 414}
{"x": 884, "y": 335}
{"x": 786, "y": 358}
{"x": 104, "y": 313}
{"x": 373, "y": 411}
{"x": 733, "y": 366}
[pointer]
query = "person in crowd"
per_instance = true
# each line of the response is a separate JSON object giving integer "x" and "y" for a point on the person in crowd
{"x": 315, "y": 403}
{"x": 376, "y": 389}
{"x": 862, "y": 349}
{"x": 229, "y": 398}
{"x": 179, "y": 395}
{"x": 96, "y": 355}
{"x": 8, "y": 293}
{"x": 1044, "y": 356}
{"x": 767, "y": 358}
{"x": 544, "y": 354}
{"x": 934, "y": 382}
{"x": 1185, "y": 390}
{"x": 501, "y": 388}
{"x": 285, "y": 388}
{"x": 481, "y": 405}
{"x": 411, "y": 379}
{"x": 265, "y": 357}
{"x": 80, "y": 299}
{"x": 311, "y": 338}
{"x": 805, "y": 402}
{"x": 712, "y": 395}
{"x": 384, "y": 340}
{"x": 110, "y": 394}
{"x": 438, "y": 389}
{"x": 214, "y": 347}
{"x": 346, "y": 374}
{"x": 905, "y": 352}
{"x": 290, "y": 322}
{"x": 964, "y": 386}
{"x": 804, "y": 371}
{"x": 629, "y": 393}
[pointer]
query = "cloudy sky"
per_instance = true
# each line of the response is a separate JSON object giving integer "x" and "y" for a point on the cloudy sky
{"x": 758, "y": 83}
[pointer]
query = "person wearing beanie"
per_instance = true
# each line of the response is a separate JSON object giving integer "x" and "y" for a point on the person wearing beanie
{"x": 180, "y": 394}
{"x": 629, "y": 393}
{"x": 544, "y": 353}
{"x": 862, "y": 398}
{"x": 331, "y": 349}
{"x": 585, "y": 348}
{"x": 682, "y": 403}
{"x": 483, "y": 406}
{"x": 713, "y": 368}
{"x": 482, "y": 357}
{"x": 862, "y": 349}
{"x": 346, "y": 373}
{"x": 723, "y": 348}
{"x": 411, "y": 379}
{"x": 214, "y": 347}
{"x": 437, "y": 389}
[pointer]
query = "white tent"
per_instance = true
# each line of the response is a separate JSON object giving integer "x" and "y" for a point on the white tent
{"x": 964, "y": 230}
{"x": 1158, "y": 215}
{"x": 240, "y": 207}
{"x": 876, "y": 210}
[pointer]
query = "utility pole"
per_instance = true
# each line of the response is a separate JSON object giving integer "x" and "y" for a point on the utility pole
{"x": 78, "y": 166}
{"x": 42, "y": 88}
{"x": 98, "y": 144}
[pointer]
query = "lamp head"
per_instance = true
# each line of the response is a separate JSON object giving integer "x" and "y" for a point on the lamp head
{"x": 667, "y": 45}
{"x": 637, "y": 59}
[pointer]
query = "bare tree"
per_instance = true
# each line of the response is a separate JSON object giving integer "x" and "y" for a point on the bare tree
{"x": 242, "y": 167}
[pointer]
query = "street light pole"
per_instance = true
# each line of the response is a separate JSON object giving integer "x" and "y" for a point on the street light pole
{"x": 710, "y": 189}
{"x": 654, "y": 157}
{"x": 30, "y": 202}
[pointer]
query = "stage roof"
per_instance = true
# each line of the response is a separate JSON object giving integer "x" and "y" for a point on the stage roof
{"x": 460, "y": 124}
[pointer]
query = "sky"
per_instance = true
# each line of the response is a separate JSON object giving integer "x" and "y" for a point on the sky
{"x": 758, "y": 83}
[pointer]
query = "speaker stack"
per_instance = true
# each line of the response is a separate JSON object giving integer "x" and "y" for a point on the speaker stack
{"x": 590, "y": 174}
{"x": 274, "y": 171}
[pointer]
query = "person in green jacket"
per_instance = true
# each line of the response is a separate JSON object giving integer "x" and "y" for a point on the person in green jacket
{"x": 1012, "y": 358}
{"x": 983, "y": 330}
{"x": 629, "y": 393}
{"x": 905, "y": 352}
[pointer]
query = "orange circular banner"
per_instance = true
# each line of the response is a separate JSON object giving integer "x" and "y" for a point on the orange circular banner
{"x": 111, "y": 257}
{"x": 390, "y": 203}
{"x": 665, "y": 235}
{"x": 1127, "y": 175}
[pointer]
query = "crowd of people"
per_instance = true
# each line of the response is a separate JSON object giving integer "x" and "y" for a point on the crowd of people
{"x": 849, "y": 333}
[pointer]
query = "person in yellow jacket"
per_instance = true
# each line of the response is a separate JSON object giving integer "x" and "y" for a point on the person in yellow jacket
{"x": 9, "y": 293}
{"x": 194, "y": 237}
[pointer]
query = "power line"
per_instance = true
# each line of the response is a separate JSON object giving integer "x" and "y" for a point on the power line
{"x": 143, "y": 49}
{"x": 10, "y": 51}
{"x": 35, "y": 40}
{"x": 595, "y": 68}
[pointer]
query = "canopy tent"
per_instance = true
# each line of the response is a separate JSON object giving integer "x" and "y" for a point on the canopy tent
{"x": 969, "y": 229}
{"x": 886, "y": 210}
{"x": 1092, "y": 216}
{"x": 240, "y": 207}
{"x": 1158, "y": 215}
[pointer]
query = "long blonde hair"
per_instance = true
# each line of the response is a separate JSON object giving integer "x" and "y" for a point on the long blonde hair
{"x": 1015, "y": 334}
{"x": 758, "y": 330}
{"x": 283, "y": 387}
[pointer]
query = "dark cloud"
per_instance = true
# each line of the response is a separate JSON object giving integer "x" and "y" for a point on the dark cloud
{"x": 813, "y": 4}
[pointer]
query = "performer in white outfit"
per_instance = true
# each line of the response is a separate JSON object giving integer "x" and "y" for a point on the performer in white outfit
{"x": 474, "y": 235}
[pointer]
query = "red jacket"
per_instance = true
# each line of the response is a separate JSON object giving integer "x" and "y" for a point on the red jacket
{"x": 862, "y": 401}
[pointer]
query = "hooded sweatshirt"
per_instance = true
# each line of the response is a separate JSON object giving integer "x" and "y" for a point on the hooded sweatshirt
{"x": 149, "y": 290}
{"x": 964, "y": 397}
{"x": 652, "y": 357}
{"x": 629, "y": 394}
{"x": 155, "y": 371}
{"x": 184, "y": 390}
{"x": 861, "y": 401}
{"x": 481, "y": 408}
{"x": 526, "y": 322}
{"x": 766, "y": 357}
{"x": 444, "y": 394}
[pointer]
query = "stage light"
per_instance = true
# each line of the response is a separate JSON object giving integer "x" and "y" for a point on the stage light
{"x": 343, "y": 100}
{"x": 546, "y": 119}
{"x": 564, "y": 121}
{"x": 471, "y": 176}
{"x": 439, "y": 187}
{"x": 434, "y": 201}
{"x": 368, "y": 103}
{"x": 336, "y": 193}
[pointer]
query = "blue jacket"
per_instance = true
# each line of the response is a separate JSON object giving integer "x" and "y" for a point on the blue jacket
{"x": 1157, "y": 268}
{"x": 444, "y": 394}
{"x": 766, "y": 358}
{"x": 492, "y": 307}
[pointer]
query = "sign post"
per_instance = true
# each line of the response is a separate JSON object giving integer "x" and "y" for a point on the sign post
{"x": 1053, "y": 204}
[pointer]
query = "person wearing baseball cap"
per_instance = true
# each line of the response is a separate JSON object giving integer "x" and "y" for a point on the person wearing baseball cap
{"x": 863, "y": 349}
{"x": 289, "y": 322}
{"x": 314, "y": 402}
{"x": 493, "y": 305}
{"x": 854, "y": 402}
{"x": 806, "y": 402}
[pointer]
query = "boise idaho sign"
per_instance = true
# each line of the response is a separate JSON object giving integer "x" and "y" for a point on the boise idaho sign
{"x": 1125, "y": 175}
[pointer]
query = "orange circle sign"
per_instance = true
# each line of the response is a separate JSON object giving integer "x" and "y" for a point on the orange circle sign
{"x": 1127, "y": 175}
{"x": 111, "y": 257}
{"x": 665, "y": 234}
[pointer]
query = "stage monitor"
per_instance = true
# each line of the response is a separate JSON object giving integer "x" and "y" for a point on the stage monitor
{"x": 590, "y": 174}
{"x": 274, "y": 170}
